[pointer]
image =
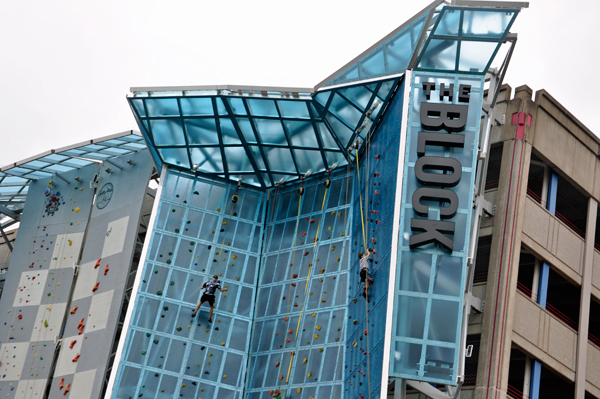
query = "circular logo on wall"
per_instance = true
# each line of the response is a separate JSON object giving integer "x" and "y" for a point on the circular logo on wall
{"x": 104, "y": 196}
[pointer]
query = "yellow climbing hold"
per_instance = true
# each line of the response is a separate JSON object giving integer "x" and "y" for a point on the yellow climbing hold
{"x": 329, "y": 228}
{"x": 337, "y": 259}
{"x": 316, "y": 336}
{"x": 318, "y": 327}
{"x": 298, "y": 390}
{"x": 212, "y": 232}
{"x": 77, "y": 209}
{"x": 58, "y": 283}
{"x": 223, "y": 343}
{"x": 322, "y": 271}
{"x": 233, "y": 257}
{"x": 210, "y": 354}
{"x": 332, "y": 248}
{"x": 342, "y": 234}
{"x": 183, "y": 385}
{"x": 223, "y": 223}
{"x": 314, "y": 315}
{"x": 71, "y": 242}
{"x": 308, "y": 374}
{"x": 320, "y": 349}
{"x": 323, "y": 301}
{"x": 224, "y": 375}
{"x": 310, "y": 293}
{"x": 304, "y": 361}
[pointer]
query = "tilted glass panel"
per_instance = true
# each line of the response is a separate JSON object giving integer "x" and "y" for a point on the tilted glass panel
{"x": 237, "y": 161}
{"x": 486, "y": 23}
{"x": 280, "y": 159}
{"x": 270, "y": 131}
{"x": 293, "y": 109}
{"x": 175, "y": 156}
{"x": 449, "y": 23}
{"x": 201, "y": 131}
{"x": 475, "y": 56}
{"x": 228, "y": 133}
{"x": 262, "y": 107}
{"x": 309, "y": 160}
{"x": 162, "y": 107}
{"x": 192, "y": 106}
{"x": 208, "y": 159}
{"x": 439, "y": 54}
{"x": 302, "y": 134}
{"x": 167, "y": 132}
{"x": 237, "y": 106}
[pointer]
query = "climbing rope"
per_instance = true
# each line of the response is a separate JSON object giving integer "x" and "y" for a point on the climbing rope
{"x": 234, "y": 200}
{"x": 310, "y": 267}
{"x": 362, "y": 221}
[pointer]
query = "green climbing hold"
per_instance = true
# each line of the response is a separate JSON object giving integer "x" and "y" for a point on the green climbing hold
{"x": 170, "y": 253}
{"x": 41, "y": 358}
{"x": 144, "y": 281}
{"x": 148, "y": 334}
{"x": 172, "y": 210}
{"x": 159, "y": 293}
{"x": 165, "y": 308}
{"x": 179, "y": 328}
{"x": 76, "y": 188}
{"x": 168, "y": 261}
{"x": 177, "y": 231}
{"x": 49, "y": 293}
{"x": 196, "y": 193}
{"x": 46, "y": 323}
{"x": 160, "y": 255}
{"x": 156, "y": 272}
{"x": 191, "y": 243}
{"x": 172, "y": 283}
{"x": 176, "y": 195}
{"x": 155, "y": 342}
{"x": 143, "y": 353}
{"x": 71, "y": 224}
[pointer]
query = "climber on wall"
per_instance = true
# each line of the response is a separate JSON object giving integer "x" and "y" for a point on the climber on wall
{"x": 209, "y": 295}
{"x": 277, "y": 394}
{"x": 364, "y": 271}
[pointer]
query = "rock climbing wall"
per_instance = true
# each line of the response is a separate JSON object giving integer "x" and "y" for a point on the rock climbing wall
{"x": 378, "y": 175}
{"x": 101, "y": 280}
{"x": 292, "y": 316}
{"x": 40, "y": 278}
{"x": 198, "y": 232}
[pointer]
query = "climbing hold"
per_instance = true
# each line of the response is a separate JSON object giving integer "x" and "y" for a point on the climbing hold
{"x": 312, "y": 220}
{"x": 72, "y": 344}
{"x": 308, "y": 374}
{"x": 233, "y": 257}
{"x": 67, "y": 389}
{"x": 62, "y": 384}
{"x": 286, "y": 318}
{"x": 95, "y": 287}
{"x": 20, "y": 316}
{"x": 316, "y": 336}
{"x": 288, "y": 340}
{"x": 75, "y": 358}
{"x": 305, "y": 253}
{"x": 77, "y": 209}
{"x": 105, "y": 269}
{"x": 304, "y": 361}
{"x": 313, "y": 314}
{"x": 318, "y": 327}
{"x": 299, "y": 390}
{"x": 366, "y": 332}
{"x": 97, "y": 263}
{"x": 290, "y": 331}
{"x": 295, "y": 275}
{"x": 376, "y": 192}
{"x": 179, "y": 328}
{"x": 303, "y": 234}
{"x": 276, "y": 364}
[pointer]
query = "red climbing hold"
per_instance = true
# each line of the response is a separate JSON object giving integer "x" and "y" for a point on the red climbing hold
{"x": 373, "y": 240}
{"x": 376, "y": 192}
{"x": 105, "y": 269}
{"x": 293, "y": 285}
{"x": 295, "y": 275}
{"x": 62, "y": 384}
{"x": 72, "y": 344}
{"x": 295, "y": 305}
{"x": 80, "y": 323}
{"x": 67, "y": 389}
{"x": 377, "y": 156}
{"x": 374, "y": 251}
{"x": 366, "y": 332}
{"x": 76, "y": 358}
{"x": 303, "y": 234}
{"x": 20, "y": 316}
{"x": 276, "y": 364}
{"x": 290, "y": 331}
{"x": 95, "y": 287}
{"x": 306, "y": 253}
{"x": 376, "y": 174}
{"x": 286, "y": 318}
{"x": 288, "y": 340}
{"x": 97, "y": 263}
{"x": 312, "y": 220}
{"x": 283, "y": 298}
{"x": 74, "y": 310}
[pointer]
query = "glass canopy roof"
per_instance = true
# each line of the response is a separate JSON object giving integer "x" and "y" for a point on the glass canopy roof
{"x": 15, "y": 178}
{"x": 264, "y": 135}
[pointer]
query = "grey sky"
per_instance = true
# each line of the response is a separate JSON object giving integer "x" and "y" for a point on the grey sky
{"x": 67, "y": 65}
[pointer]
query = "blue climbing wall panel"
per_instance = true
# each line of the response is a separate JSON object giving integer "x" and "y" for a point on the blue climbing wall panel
{"x": 284, "y": 297}
{"x": 378, "y": 175}
{"x": 197, "y": 233}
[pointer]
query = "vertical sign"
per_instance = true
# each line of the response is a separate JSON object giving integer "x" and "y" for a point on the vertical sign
{"x": 440, "y": 157}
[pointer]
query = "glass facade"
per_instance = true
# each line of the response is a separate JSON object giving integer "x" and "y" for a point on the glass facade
{"x": 198, "y": 232}
{"x": 430, "y": 280}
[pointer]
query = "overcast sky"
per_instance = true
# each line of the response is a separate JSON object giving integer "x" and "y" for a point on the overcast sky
{"x": 66, "y": 66}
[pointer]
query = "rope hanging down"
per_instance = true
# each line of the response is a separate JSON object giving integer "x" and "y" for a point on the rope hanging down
{"x": 362, "y": 221}
{"x": 327, "y": 184}
{"x": 234, "y": 200}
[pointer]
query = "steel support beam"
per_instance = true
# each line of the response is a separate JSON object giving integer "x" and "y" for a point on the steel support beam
{"x": 6, "y": 239}
{"x": 10, "y": 213}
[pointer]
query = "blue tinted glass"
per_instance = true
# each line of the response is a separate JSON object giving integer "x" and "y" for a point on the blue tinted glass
{"x": 373, "y": 66}
{"x": 301, "y": 134}
{"x": 474, "y": 56}
{"x": 237, "y": 106}
{"x": 309, "y": 160}
{"x": 255, "y": 150}
{"x": 344, "y": 111}
{"x": 138, "y": 104}
{"x": 359, "y": 95}
{"x": 162, "y": 107}
{"x": 326, "y": 136}
{"x": 237, "y": 160}
{"x": 448, "y": 25}
{"x": 398, "y": 52}
{"x": 228, "y": 133}
{"x": 439, "y": 54}
{"x": 221, "y": 110}
{"x": 167, "y": 132}
{"x": 293, "y": 109}
{"x": 322, "y": 96}
{"x": 490, "y": 24}
{"x": 260, "y": 107}
{"x": 247, "y": 131}
{"x": 270, "y": 131}
{"x": 196, "y": 106}
{"x": 201, "y": 131}
{"x": 174, "y": 156}
{"x": 207, "y": 158}
{"x": 279, "y": 159}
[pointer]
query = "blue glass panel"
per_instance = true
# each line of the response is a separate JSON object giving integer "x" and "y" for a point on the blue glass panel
{"x": 344, "y": 111}
{"x": 138, "y": 104}
{"x": 162, "y": 107}
{"x": 174, "y": 156}
{"x": 207, "y": 158}
{"x": 35, "y": 165}
{"x": 322, "y": 96}
{"x": 255, "y": 150}
{"x": 221, "y": 110}
{"x": 474, "y": 56}
{"x": 335, "y": 158}
{"x": 270, "y": 131}
{"x": 439, "y": 54}
{"x": 293, "y": 109}
{"x": 191, "y": 106}
{"x": 301, "y": 134}
{"x": 237, "y": 160}
{"x": 326, "y": 137}
{"x": 54, "y": 158}
{"x": 359, "y": 95}
{"x": 372, "y": 66}
{"x": 448, "y": 25}
{"x": 167, "y": 132}
{"x": 343, "y": 132}
{"x": 228, "y": 133}
{"x": 399, "y": 51}
{"x": 490, "y": 24}
{"x": 201, "y": 131}
{"x": 246, "y": 128}
{"x": 237, "y": 106}
{"x": 309, "y": 160}
{"x": 279, "y": 159}
{"x": 262, "y": 107}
